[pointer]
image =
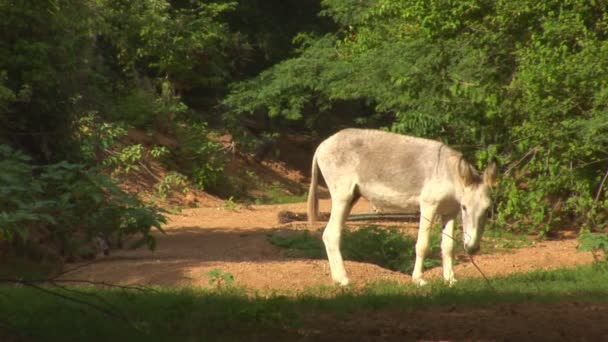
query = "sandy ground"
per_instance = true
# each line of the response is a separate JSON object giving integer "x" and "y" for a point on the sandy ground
{"x": 236, "y": 241}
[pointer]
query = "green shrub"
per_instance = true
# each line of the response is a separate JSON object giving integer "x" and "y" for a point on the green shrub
{"x": 69, "y": 203}
{"x": 199, "y": 157}
{"x": 597, "y": 243}
{"x": 173, "y": 181}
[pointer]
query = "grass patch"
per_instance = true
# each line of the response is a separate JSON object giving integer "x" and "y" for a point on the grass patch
{"x": 276, "y": 194}
{"x": 500, "y": 241}
{"x": 182, "y": 314}
{"x": 25, "y": 268}
{"x": 383, "y": 246}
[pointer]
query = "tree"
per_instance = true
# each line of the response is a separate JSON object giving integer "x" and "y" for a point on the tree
{"x": 520, "y": 82}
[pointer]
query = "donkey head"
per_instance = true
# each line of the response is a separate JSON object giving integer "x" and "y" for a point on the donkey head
{"x": 475, "y": 202}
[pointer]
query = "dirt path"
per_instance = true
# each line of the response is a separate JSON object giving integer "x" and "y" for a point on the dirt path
{"x": 199, "y": 240}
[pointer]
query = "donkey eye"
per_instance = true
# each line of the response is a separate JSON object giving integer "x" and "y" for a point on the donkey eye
{"x": 464, "y": 208}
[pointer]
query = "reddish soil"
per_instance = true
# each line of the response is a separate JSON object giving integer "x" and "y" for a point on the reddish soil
{"x": 199, "y": 240}
{"x": 235, "y": 241}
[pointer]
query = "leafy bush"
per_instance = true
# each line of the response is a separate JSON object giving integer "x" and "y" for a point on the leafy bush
{"x": 199, "y": 157}
{"x": 21, "y": 204}
{"x": 67, "y": 205}
{"x": 173, "y": 181}
{"x": 126, "y": 160}
{"x": 597, "y": 243}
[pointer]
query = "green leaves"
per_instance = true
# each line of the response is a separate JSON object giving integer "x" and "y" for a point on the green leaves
{"x": 69, "y": 202}
{"x": 218, "y": 278}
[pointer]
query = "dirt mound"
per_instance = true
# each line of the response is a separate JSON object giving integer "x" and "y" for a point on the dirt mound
{"x": 245, "y": 178}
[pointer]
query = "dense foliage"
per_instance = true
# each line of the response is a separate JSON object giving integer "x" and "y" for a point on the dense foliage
{"x": 522, "y": 82}
{"x": 77, "y": 76}
{"x": 66, "y": 207}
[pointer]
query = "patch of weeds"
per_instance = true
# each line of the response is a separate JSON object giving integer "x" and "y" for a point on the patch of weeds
{"x": 386, "y": 247}
{"x": 597, "y": 243}
{"x": 495, "y": 241}
{"x": 275, "y": 194}
{"x": 219, "y": 278}
{"x": 249, "y": 174}
{"x": 125, "y": 161}
{"x": 300, "y": 245}
{"x": 173, "y": 181}
{"x": 230, "y": 204}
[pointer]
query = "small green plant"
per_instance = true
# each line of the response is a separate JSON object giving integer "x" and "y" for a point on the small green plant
{"x": 597, "y": 243}
{"x": 219, "y": 278}
{"x": 159, "y": 152}
{"x": 300, "y": 245}
{"x": 126, "y": 160}
{"x": 251, "y": 175}
{"x": 173, "y": 181}
{"x": 276, "y": 194}
{"x": 497, "y": 240}
{"x": 95, "y": 136}
{"x": 200, "y": 158}
{"x": 230, "y": 204}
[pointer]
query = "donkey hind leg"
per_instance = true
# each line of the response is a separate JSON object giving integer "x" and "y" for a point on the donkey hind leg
{"x": 427, "y": 217}
{"x": 340, "y": 208}
{"x": 447, "y": 250}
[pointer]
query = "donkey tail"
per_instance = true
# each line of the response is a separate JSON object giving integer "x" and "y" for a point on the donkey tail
{"x": 313, "y": 201}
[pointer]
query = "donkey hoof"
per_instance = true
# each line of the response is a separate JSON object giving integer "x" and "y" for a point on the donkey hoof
{"x": 342, "y": 281}
{"x": 420, "y": 281}
{"x": 451, "y": 282}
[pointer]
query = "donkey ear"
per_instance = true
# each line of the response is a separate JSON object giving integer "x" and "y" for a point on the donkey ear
{"x": 465, "y": 171}
{"x": 489, "y": 175}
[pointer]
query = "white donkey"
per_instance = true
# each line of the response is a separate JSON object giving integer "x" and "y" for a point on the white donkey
{"x": 399, "y": 171}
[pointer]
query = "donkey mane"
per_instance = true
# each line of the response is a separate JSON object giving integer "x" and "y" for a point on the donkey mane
{"x": 467, "y": 172}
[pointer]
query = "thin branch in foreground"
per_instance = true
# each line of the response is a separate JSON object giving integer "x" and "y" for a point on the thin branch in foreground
{"x": 488, "y": 282}
{"x": 109, "y": 311}
{"x": 81, "y": 281}
{"x": 99, "y": 308}
{"x": 100, "y": 283}
{"x": 76, "y": 268}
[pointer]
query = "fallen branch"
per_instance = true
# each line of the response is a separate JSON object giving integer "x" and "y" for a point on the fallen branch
{"x": 286, "y": 216}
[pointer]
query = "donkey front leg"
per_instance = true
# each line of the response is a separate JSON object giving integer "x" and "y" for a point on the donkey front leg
{"x": 331, "y": 239}
{"x": 427, "y": 216}
{"x": 447, "y": 250}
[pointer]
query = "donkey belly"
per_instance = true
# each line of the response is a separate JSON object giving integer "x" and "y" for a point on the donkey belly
{"x": 385, "y": 197}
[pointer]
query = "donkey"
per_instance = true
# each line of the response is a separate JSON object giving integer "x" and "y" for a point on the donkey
{"x": 398, "y": 171}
